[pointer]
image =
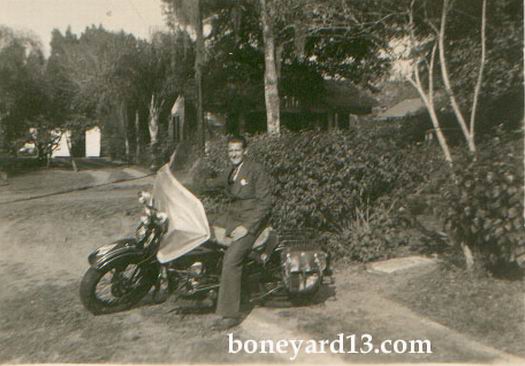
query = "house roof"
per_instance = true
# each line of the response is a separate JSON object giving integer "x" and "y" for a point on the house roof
{"x": 403, "y": 109}
{"x": 343, "y": 95}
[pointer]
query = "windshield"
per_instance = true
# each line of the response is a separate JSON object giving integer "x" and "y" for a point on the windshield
{"x": 188, "y": 225}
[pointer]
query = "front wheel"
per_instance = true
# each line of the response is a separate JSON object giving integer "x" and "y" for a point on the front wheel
{"x": 116, "y": 287}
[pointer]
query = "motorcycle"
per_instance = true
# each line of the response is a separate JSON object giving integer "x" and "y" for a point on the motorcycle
{"x": 280, "y": 265}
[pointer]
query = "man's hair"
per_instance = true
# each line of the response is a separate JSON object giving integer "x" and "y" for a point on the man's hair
{"x": 238, "y": 138}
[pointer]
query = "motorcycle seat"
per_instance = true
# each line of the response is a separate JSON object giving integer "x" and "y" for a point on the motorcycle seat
{"x": 218, "y": 235}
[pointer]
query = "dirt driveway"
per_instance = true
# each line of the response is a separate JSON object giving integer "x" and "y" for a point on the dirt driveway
{"x": 44, "y": 244}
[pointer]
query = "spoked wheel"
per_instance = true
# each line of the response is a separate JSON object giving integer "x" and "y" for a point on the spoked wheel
{"x": 116, "y": 287}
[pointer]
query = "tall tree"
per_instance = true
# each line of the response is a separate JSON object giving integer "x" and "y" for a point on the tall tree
{"x": 22, "y": 86}
{"x": 458, "y": 31}
{"x": 271, "y": 89}
{"x": 188, "y": 14}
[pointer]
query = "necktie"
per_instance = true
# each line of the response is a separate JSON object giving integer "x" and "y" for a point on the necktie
{"x": 234, "y": 173}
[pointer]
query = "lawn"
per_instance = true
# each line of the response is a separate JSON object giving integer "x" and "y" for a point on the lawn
{"x": 491, "y": 310}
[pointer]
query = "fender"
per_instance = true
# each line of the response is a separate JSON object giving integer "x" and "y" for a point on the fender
{"x": 124, "y": 249}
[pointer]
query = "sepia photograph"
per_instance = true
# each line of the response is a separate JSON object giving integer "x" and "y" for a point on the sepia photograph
{"x": 262, "y": 182}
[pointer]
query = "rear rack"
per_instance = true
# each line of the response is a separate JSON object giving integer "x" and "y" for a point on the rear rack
{"x": 305, "y": 239}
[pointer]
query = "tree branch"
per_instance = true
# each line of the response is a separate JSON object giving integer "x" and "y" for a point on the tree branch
{"x": 481, "y": 67}
{"x": 427, "y": 99}
{"x": 446, "y": 79}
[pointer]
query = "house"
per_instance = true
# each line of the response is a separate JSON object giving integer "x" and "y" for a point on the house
{"x": 340, "y": 102}
{"x": 404, "y": 109}
{"x": 92, "y": 144}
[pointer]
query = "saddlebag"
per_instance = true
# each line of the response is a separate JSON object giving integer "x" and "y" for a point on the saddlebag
{"x": 303, "y": 264}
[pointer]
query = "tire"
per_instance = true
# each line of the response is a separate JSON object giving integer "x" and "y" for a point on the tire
{"x": 122, "y": 294}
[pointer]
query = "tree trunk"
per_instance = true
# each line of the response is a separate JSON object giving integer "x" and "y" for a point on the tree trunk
{"x": 271, "y": 90}
{"x": 480, "y": 74}
{"x": 428, "y": 97}
{"x": 153, "y": 125}
{"x": 123, "y": 116}
{"x": 330, "y": 118}
{"x": 69, "y": 146}
{"x": 446, "y": 80}
{"x": 137, "y": 137}
{"x": 469, "y": 258}
{"x": 2, "y": 137}
{"x": 278, "y": 58}
{"x": 199, "y": 61}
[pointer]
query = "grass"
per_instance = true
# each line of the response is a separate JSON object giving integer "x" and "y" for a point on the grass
{"x": 489, "y": 309}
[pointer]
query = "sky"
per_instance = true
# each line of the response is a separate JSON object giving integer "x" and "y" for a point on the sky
{"x": 139, "y": 17}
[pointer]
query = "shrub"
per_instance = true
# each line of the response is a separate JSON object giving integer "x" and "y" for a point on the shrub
{"x": 373, "y": 233}
{"x": 328, "y": 180}
{"x": 485, "y": 204}
{"x": 320, "y": 178}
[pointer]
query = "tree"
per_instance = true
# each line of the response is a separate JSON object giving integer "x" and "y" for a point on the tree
{"x": 305, "y": 34}
{"x": 184, "y": 14}
{"x": 22, "y": 86}
{"x": 271, "y": 89}
{"x": 89, "y": 83}
{"x": 449, "y": 29}
{"x": 452, "y": 32}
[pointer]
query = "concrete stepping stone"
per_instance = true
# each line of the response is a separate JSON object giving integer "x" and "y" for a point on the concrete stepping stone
{"x": 400, "y": 264}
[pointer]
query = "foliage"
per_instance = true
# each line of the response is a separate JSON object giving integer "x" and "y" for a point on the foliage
{"x": 348, "y": 184}
{"x": 504, "y": 66}
{"x": 373, "y": 233}
{"x": 343, "y": 39}
{"x": 106, "y": 78}
{"x": 485, "y": 204}
{"x": 503, "y": 71}
{"x": 22, "y": 85}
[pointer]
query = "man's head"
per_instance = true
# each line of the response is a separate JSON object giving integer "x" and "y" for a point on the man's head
{"x": 237, "y": 148}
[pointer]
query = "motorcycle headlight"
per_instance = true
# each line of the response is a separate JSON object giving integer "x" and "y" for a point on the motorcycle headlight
{"x": 196, "y": 268}
{"x": 162, "y": 220}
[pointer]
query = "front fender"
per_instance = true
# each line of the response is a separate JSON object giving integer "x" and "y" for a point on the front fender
{"x": 124, "y": 249}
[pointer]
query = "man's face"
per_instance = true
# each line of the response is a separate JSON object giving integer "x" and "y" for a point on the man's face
{"x": 236, "y": 152}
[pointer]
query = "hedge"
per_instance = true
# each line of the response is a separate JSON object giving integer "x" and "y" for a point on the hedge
{"x": 349, "y": 185}
{"x": 484, "y": 206}
{"x": 326, "y": 180}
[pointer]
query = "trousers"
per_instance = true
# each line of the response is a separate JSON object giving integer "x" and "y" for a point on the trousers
{"x": 229, "y": 301}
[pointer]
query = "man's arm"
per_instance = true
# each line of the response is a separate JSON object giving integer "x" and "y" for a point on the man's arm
{"x": 264, "y": 201}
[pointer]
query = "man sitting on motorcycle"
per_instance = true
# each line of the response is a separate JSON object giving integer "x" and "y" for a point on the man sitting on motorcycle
{"x": 248, "y": 187}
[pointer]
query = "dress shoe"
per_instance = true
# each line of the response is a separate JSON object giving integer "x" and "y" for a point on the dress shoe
{"x": 226, "y": 323}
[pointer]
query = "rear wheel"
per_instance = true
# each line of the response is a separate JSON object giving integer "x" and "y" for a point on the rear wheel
{"x": 116, "y": 287}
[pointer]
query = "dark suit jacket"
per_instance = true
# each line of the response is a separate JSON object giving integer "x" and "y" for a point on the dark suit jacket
{"x": 250, "y": 197}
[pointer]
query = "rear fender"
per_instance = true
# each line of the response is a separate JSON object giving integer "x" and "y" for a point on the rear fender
{"x": 124, "y": 250}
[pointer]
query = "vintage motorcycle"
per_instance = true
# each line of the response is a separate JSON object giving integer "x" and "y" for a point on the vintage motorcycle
{"x": 281, "y": 265}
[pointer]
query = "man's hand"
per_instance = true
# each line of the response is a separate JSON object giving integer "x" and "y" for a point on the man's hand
{"x": 238, "y": 233}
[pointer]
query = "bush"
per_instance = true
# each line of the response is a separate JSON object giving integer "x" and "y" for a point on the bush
{"x": 485, "y": 204}
{"x": 326, "y": 180}
{"x": 374, "y": 233}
